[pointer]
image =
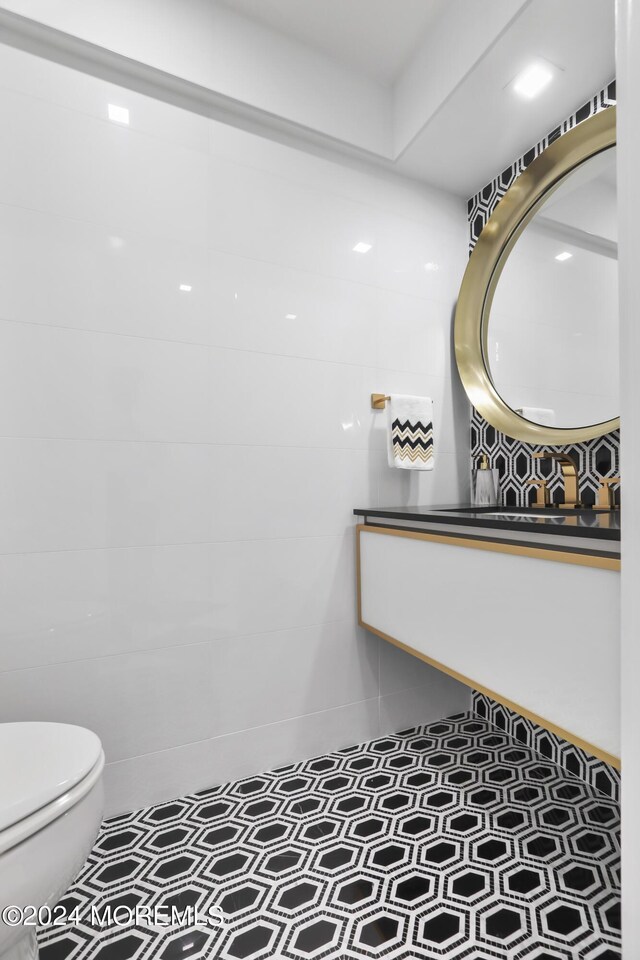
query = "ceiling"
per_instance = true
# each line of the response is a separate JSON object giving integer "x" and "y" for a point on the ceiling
{"x": 423, "y": 88}
{"x": 466, "y": 122}
{"x": 375, "y": 37}
{"x": 483, "y": 126}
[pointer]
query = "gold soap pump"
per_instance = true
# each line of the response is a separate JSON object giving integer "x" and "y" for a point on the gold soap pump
{"x": 485, "y": 494}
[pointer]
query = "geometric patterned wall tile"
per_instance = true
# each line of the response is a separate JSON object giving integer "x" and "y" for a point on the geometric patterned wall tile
{"x": 513, "y": 459}
{"x": 485, "y": 201}
{"x": 598, "y": 774}
{"x": 597, "y": 459}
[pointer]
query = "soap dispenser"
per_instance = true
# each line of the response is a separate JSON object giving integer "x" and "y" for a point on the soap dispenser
{"x": 485, "y": 493}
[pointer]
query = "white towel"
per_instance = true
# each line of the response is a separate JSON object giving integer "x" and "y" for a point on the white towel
{"x": 410, "y": 432}
{"x": 541, "y": 415}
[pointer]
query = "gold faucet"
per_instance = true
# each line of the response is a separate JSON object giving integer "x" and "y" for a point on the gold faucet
{"x": 569, "y": 466}
{"x": 542, "y": 492}
{"x": 606, "y": 496}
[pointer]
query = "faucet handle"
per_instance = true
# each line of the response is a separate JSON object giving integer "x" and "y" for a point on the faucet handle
{"x": 542, "y": 492}
{"x": 570, "y": 469}
{"x": 606, "y": 496}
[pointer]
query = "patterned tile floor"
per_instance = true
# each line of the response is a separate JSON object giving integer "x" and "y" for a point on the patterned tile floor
{"x": 450, "y": 840}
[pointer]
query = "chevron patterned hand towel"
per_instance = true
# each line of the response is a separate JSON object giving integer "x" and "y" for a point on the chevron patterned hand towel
{"x": 410, "y": 432}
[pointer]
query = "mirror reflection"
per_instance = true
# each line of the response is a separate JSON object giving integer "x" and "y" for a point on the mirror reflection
{"x": 552, "y": 338}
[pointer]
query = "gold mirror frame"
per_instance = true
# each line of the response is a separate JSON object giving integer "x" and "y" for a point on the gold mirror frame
{"x": 499, "y": 235}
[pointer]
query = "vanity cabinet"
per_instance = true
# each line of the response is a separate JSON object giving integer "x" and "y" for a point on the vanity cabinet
{"x": 533, "y": 626}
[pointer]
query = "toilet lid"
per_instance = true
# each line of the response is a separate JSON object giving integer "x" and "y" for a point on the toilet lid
{"x": 39, "y": 762}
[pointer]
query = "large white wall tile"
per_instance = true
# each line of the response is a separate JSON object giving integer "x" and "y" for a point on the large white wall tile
{"x": 142, "y": 781}
{"x": 142, "y": 702}
{"x": 409, "y": 708}
{"x": 400, "y": 671}
{"x": 443, "y": 211}
{"x": 101, "y": 171}
{"x": 79, "y": 495}
{"x": 100, "y": 602}
{"x": 129, "y": 284}
{"x": 180, "y": 467}
{"x": 316, "y": 231}
{"x": 447, "y": 483}
{"x": 124, "y": 388}
{"x": 32, "y": 76}
{"x": 413, "y": 334}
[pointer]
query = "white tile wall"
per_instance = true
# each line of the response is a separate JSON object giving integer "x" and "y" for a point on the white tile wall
{"x": 179, "y": 469}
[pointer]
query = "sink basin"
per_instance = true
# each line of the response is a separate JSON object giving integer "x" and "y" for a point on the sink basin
{"x": 506, "y": 514}
{"x": 585, "y": 516}
{"x": 585, "y": 513}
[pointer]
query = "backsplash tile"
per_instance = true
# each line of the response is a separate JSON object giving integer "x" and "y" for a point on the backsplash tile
{"x": 513, "y": 459}
{"x": 598, "y": 774}
{"x": 597, "y": 458}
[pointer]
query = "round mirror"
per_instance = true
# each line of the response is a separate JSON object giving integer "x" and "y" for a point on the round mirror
{"x": 552, "y": 338}
{"x": 537, "y": 319}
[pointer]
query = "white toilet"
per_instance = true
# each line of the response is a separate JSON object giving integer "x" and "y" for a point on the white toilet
{"x": 51, "y": 802}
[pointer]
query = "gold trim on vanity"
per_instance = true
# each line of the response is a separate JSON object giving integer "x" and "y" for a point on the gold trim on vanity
{"x": 499, "y": 546}
{"x": 536, "y": 552}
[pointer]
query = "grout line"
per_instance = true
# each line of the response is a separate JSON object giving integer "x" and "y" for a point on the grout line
{"x": 184, "y": 543}
{"x": 271, "y": 723}
{"x": 229, "y": 638}
{"x": 361, "y": 743}
{"x": 194, "y": 443}
{"x": 375, "y": 174}
{"x": 543, "y": 758}
{"x": 152, "y": 238}
{"x": 369, "y": 451}
{"x": 201, "y": 344}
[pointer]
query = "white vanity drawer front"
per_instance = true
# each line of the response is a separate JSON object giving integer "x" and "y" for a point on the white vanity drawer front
{"x": 541, "y": 636}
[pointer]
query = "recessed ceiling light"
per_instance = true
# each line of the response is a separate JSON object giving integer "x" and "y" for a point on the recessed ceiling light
{"x": 290, "y": 316}
{"x": 565, "y": 255}
{"x": 118, "y": 114}
{"x": 362, "y": 247}
{"x": 185, "y": 287}
{"x": 431, "y": 266}
{"x": 532, "y": 81}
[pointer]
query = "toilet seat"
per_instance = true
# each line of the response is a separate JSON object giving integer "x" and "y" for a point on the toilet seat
{"x": 45, "y": 769}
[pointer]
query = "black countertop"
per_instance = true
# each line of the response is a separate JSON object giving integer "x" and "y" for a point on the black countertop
{"x": 589, "y": 523}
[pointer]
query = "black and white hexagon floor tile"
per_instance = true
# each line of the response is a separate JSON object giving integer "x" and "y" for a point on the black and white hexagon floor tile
{"x": 450, "y": 840}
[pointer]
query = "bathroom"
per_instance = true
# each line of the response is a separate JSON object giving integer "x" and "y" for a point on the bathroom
{"x": 277, "y": 678}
